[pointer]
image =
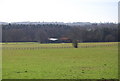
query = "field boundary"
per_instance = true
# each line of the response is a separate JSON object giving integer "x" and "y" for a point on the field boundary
{"x": 45, "y": 47}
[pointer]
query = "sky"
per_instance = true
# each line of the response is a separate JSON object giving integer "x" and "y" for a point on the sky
{"x": 59, "y": 10}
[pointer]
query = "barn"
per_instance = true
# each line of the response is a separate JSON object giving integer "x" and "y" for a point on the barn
{"x": 59, "y": 40}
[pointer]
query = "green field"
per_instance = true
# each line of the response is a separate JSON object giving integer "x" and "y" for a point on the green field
{"x": 97, "y": 61}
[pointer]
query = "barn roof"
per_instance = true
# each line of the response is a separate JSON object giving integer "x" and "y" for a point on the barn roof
{"x": 53, "y": 39}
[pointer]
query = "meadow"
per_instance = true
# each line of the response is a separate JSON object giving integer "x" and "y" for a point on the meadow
{"x": 60, "y": 61}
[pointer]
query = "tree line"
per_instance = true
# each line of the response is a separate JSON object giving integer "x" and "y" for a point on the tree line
{"x": 100, "y": 32}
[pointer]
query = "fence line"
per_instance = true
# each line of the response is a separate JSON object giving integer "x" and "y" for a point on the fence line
{"x": 80, "y": 46}
{"x": 98, "y": 45}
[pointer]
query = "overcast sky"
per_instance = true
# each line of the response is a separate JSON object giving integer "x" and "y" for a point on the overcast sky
{"x": 59, "y": 10}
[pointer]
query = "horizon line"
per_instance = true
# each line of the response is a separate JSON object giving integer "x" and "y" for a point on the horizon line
{"x": 56, "y": 22}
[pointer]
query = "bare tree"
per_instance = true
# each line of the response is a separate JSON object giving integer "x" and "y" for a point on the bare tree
{"x": 75, "y": 34}
{"x": 41, "y": 36}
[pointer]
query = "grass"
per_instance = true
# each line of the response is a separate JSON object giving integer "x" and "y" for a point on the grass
{"x": 33, "y": 44}
{"x": 62, "y": 63}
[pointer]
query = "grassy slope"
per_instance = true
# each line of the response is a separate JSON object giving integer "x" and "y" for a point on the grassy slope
{"x": 68, "y": 63}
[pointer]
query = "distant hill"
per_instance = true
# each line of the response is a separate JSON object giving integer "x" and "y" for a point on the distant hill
{"x": 3, "y": 23}
{"x": 62, "y": 23}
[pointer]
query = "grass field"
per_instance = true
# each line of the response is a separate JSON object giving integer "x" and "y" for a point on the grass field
{"x": 96, "y": 62}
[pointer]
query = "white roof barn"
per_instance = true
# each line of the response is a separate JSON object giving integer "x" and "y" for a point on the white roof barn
{"x": 52, "y": 39}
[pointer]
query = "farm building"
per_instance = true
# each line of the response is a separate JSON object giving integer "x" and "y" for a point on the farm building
{"x": 65, "y": 40}
{"x": 59, "y": 40}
